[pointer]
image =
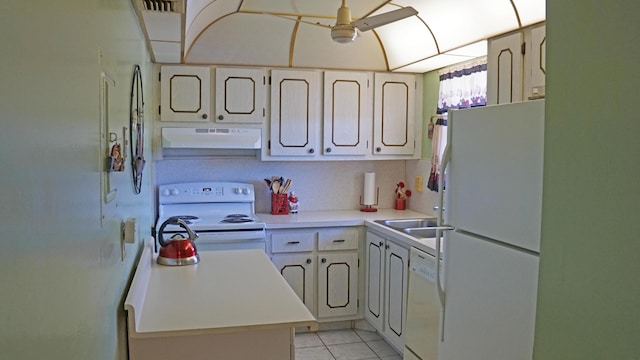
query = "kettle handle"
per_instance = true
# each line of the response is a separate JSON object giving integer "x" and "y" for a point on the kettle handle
{"x": 175, "y": 220}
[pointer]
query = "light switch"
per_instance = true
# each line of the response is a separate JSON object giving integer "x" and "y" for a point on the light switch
{"x": 418, "y": 184}
{"x": 131, "y": 231}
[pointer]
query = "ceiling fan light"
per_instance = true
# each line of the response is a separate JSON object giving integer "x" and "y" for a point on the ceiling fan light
{"x": 343, "y": 34}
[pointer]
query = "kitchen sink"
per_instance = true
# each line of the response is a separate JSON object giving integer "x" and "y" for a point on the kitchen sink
{"x": 421, "y": 233}
{"x": 403, "y": 224}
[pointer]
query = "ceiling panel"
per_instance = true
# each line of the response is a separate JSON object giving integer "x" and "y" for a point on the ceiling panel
{"x": 240, "y": 39}
{"x": 314, "y": 48}
{"x": 246, "y": 32}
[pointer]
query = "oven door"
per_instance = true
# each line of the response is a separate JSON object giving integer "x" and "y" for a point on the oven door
{"x": 231, "y": 240}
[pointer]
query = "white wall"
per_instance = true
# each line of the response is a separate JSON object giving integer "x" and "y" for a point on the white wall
{"x": 63, "y": 281}
{"x": 322, "y": 185}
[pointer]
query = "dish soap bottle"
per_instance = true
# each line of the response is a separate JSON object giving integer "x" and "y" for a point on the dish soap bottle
{"x": 293, "y": 203}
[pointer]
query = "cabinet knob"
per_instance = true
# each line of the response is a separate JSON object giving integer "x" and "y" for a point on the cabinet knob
{"x": 378, "y": 149}
{"x": 220, "y": 117}
{"x": 308, "y": 261}
{"x": 386, "y": 246}
{"x": 380, "y": 243}
{"x": 328, "y": 150}
{"x": 311, "y": 151}
{"x": 204, "y": 116}
{"x": 323, "y": 260}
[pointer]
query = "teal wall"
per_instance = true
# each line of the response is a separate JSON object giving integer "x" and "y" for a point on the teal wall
{"x": 589, "y": 289}
{"x": 62, "y": 278}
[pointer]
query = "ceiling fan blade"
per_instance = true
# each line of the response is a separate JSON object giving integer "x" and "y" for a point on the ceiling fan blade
{"x": 298, "y": 20}
{"x": 371, "y": 22}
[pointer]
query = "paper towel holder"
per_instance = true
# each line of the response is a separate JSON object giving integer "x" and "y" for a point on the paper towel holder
{"x": 370, "y": 208}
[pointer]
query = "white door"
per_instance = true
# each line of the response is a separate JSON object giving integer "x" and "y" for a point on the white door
{"x": 337, "y": 284}
{"x": 295, "y": 112}
{"x": 374, "y": 305}
{"x": 185, "y": 93}
{"x": 504, "y": 69}
{"x": 494, "y": 179}
{"x": 490, "y": 301}
{"x": 347, "y": 113}
{"x": 396, "y": 275}
{"x": 297, "y": 269}
{"x": 394, "y": 114}
{"x": 240, "y": 95}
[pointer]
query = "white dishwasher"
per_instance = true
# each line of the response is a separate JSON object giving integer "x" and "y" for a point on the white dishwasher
{"x": 423, "y": 308}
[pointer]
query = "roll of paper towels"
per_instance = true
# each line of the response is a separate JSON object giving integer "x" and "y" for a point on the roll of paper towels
{"x": 369, "y": 188}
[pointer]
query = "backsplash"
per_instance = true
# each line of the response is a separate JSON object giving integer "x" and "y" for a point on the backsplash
{"x": 321, "y": 185}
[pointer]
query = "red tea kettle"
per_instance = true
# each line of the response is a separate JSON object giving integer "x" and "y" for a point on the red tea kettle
{"x": 179, "y": 250}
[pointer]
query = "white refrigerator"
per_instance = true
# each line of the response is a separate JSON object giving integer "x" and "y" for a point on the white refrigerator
{"x": 493, "y": 201}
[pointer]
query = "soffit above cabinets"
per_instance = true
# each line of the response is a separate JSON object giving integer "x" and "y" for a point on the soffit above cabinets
{"x": 280, "y": 33}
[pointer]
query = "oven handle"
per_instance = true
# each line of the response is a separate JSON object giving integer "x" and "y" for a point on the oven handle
{"x": 230, "y": 236}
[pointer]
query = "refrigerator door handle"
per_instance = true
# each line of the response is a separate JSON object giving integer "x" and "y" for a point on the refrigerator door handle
{"x": 439, "y": 287}
{"x": 446, "y": 155}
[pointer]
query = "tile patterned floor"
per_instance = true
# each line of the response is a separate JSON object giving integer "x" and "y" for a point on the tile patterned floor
{"x": 343, "y": 345}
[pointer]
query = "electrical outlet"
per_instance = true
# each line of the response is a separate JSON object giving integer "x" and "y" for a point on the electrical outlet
{"x": 418, "y": 183}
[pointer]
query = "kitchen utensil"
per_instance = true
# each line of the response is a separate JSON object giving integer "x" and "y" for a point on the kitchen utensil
{"x": 179, "y": 250}
{"x": 286, "y": 186}
{"x": 275, "y": 186}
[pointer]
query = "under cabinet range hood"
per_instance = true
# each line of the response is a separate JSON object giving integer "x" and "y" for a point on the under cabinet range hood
{"x": 211, "y": 138}
{"x": 204, "y": 142}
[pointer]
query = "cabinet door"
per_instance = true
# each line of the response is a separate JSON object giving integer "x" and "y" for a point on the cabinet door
{"x": 394, "y": 114}
{"x": 298, "y": 271}
{"x": 185, "y": 93}
{"x": 396, "y": 276}
{"x": 240, "y": 95}
{"x": 538, "y": 63}
{"x": 347, "y": 113}
{"x": 337, "y": 284}
{"x": 374, "y": 306}
{"x": 295, "y": 112}
{"x": 504, "y": 69}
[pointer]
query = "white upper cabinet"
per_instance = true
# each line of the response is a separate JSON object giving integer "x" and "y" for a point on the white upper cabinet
{"x": 538, "y": 63}
{"x": 516, "y": 66}
{"x": 347, "y": 113}
{"x": 240, "y": 95}
{"x": 394, "y": 114}
{"x": 185, "y": 93}
{"x": 504, "y": 69}
{"x": 295, "y": 112}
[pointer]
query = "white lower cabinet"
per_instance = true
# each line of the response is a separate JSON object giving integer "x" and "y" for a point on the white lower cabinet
{"x": 337, "y": 284}
{"x": 386, "y": 287}
{"x": 297, "y": 269}
{"x": 323, "y": 275}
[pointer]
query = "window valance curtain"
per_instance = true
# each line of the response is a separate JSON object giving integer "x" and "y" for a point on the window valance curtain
{"x": 463, "y": 86}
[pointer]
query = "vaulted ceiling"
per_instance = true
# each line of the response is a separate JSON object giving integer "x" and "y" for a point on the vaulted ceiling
{"x": 296, "y": 33}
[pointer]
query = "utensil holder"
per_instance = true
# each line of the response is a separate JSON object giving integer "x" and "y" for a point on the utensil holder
{"x": 401, "y": 204}
{"x": 279, "y": 204}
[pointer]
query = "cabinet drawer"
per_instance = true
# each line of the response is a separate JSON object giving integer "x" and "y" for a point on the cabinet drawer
{"x": 292, "y": 242}
{"x": 338, "y": 239}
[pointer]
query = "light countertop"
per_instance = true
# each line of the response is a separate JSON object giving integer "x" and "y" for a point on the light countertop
{"x": 226, "y": 291}
{"x": 352, "y": 218}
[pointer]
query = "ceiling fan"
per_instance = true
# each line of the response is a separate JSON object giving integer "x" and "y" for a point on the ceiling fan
{"x": 345, "y": 30}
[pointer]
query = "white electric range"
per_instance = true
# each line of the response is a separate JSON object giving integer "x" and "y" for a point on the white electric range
{"x": 222, "y": 213}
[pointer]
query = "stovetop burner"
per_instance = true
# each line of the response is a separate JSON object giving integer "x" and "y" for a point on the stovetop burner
{"x": 189, "y": 219}
{"x": 237, "y": 218}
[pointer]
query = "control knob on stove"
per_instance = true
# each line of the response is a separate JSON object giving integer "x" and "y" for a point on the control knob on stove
{"x": 169, "y": 192}
{"x": 245, "y": 191}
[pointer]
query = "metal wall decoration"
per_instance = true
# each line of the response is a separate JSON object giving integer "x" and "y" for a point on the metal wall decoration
{"x": 136, "y": 134}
